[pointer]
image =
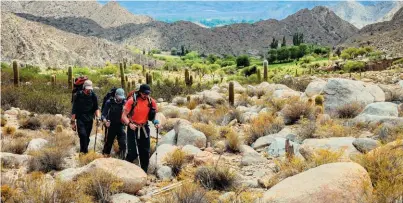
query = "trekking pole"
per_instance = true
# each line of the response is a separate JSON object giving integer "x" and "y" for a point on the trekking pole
{"x": 135, "y": 142}
{"x": 96, "y": 134}
{"x": 156, "y": 151}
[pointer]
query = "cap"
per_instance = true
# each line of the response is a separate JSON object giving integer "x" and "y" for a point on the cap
{"x": 144, "y": 88}
{"x": 88, "y": 85}
{"x": 120, "y": 93}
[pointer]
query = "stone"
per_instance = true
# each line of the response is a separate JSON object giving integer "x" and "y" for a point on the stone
{"x": 162, "y": 151}
{"x": 333, "y": 144}
{"x": 188, "y": 135}
{"x": 213, "y": 98}
{"x": 11, "y": 160}
{"x": 160, "y": 100}
{"x": 250, "y": 156}
{"x": 381, "y": 109}
{"x": 35, "y": 145}
{"x": 168, "y": 138}
{"x": 203, "y": 158}
{"x": 178, "y": 100}
{"x": 165, "y": 173}
{"x": 190, "y": 150}
{"x": 365, "y": 145}
{"x": 248, "y": 116}
{"x": 315, "y": 87}
{"x": 286, "y": 93}
{"x": 161, "y": 118}
{"x": 238, "y": 87}
{"x": 100, "y": 140}
{"x": 124, "y": 198}
{"x": 338, "y": 92}
{"x": 268, "y": 139}
{"x": 335, "y": 182}
{"x": 250, "y": 183}
{"x": 227, "y": 197}
{"x": 13, "y": 112}
{"x": 277, "y": 147}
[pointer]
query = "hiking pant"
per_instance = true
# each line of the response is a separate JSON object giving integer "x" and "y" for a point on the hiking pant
{"x": 143, "y": 145}
{"x": 115, "y": 130}
{"x": 84, "y": 131}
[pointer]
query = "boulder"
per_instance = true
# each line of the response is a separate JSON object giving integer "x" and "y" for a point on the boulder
{"x": 250, "y": 156}
{"x": 286, "y": 93}
{"x": 168, "y": 138}
{"x": 13, "y": 112}
{"x": 188, "y": 135}
{"x": 268, "y": 139}
{"x": 380, "y": 112}
{"x": 165, "y": 173}
{"x": 335, "y": 182}
{"x": 238, "y": 87}
{"x": 162, "y": 151}
{"x": 365, "y": 145}
{"x": 400, "y": 83}
{"x": 179, "y": 100}
{"x": 35, "y": 145}
{"x": 124, "y": 198}
{"x": 338, "y": 92}
{"x": 335, "y": 144}
{"x": 277, "y": 147}
{"x": 161, "y": 118}
{"x": 315, "y": 88}
{"x": 203, "y": 158}
{"x": 213, "y": 98}
{"x": 132, "y": 176}
{"x": 392, "y": 92}
{"x": 11, "y": 160}
{"x": 190, "y": 150}
{"x": 248, "y": 116}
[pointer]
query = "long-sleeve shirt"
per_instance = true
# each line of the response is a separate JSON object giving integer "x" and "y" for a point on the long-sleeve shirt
{"x": 107, "y": 108}
{"x": 85, "y": 106}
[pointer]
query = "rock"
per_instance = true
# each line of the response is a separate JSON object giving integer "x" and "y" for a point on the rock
{"x": 10, "y": 160}
{"x": 165, "y": 173}
{"x": 219, "y": 146}
{"x": 162, "y": 151}
{"x": 227, "y": 197}
{"x": 168, "y": 138}
{"x": 315, "y": 87}
{"x": 248, "y": 116}
{"x": 365, "y": 145}
{"x": 35, "y": 145}
{"x": 188, "y": 135}
{"x": 392, "y": 92}
{"x": 268, "y": 139}
{"x": 213, "y": 98}
{"x": 326, "y": 183}
{"x": 161, "y": 118}
{"x": 100, "y": 141}
{"x": 178, "y": 100}
{"x": 24, "y": 113}
{"x": 286, "y": 93}
{"x": 277, "y": 147}
{"x": 400, "y": 83}
{"x": 333, "y": 144}
{"x": 338, "y": 92}
{"x": 250, "y": 183}
{"x": 250, "y": 156}
{"x": 124, "y": 198}
{"x": 381, "y": 109}
{"x": 13, "y": 112}
{"x": 160, "y": 100}
{"x": 371, "y": 120}
{"x": 132, "y": 176}
{"x": 203, "y": 158}
{"x": 190, "y": 150}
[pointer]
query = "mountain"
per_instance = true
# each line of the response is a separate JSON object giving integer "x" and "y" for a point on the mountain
{"x": 43, "y": 45}
{"x": 360, "y": 14}
{"x": 108, "y": 15}
{"x": 386, "y": 36}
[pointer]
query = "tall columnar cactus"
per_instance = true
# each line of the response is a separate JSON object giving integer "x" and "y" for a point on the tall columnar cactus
{"x": 188, "y": 98}
{"x": 187, "y": 77}
{"x": 140, "y": 81}
{"x": 190, "y": 80}
{"x": 296, "y": 72}
{"x": 147, "y": 78}
{"x": 150, "y": 79}
{"x": 144, "y": 69}
{"x": 70, "y": 77}
{"x": 16, "y": 74}
{"x": 176, "y": 81}
{"x": 126, "y": 78}
{"x": 124, "y": 63}
{"x": 259, "y": 76}
{"x": 231, "y": 94}
{"x": 122, "y": 76}
{"x": 53, "y": 79}
{"x": 129, "y": 85}
{"x": 133, "y": 83}
{"x": 265, "y": 66}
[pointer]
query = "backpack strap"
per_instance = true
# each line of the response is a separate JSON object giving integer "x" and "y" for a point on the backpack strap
{"x": 133, "y": 105}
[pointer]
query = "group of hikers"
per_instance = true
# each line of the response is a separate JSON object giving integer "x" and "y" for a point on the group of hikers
{"x": 118, "y": 113}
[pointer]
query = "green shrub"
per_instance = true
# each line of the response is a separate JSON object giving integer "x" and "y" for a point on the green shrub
{"x": 242, "y": 61}
{"x": 352, "y": 66}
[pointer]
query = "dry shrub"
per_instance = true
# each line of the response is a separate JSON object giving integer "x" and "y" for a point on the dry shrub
{"x": 263, "y": 124}
{"x": 100, "y": 185}
{"x": 176, "y": 160}
{"x": 233, "y": 142}
{"x": 9, "y": 130}
{"x": 59, "y": 128}
{"x": 19, "y": 134}
{"x": 32, "y": 123}
{"x": 211, "y": 131}
{"x": 8, "y": 193}
{"x": 3, "y": 121}
{"x": 243, "y": 100}
{"x": 169, "y": 125}
{"x": 187, "y": 193}
{"x": 221, "y": 115}
{"x": 276, "y": 104}
{"x": 85, "y": 159}
{"x": 15, "y": 145}
{"x": 385, "y": 168}
{"x": 216, "y": 178}
{"x": 349, "y": 110}
{"x": 192, "y": 104}
{"x": 50, "y": 122}
{"x": 187, "y": 173}
{"x": 307, "y": 129}
{"x": 171, "y": 113}
{"x": 180, "y": 101}
{"x": 335, "y": 129}
{"x": 297, "y": 110}
{"x": 71, "y": 192}
{"x": 290, "y": 167}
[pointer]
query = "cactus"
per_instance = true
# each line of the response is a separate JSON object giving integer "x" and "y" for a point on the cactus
{"x": 16, "y": 74}
{"x": 319, "y": 100}
{"x": 150, "y": 79}
{"x": 140, "y": 81}
{"x": 53, "y": 79}
{"x": 187, "y": 78}
{"x": 231, "y": 93}
{"x": 296, "y": 72}
{"x": 70, "y": 77}
{"x": 158, "y": 83}
{"x": 122, "y": 76}
{"x": 265, "y": 64}
{"x": 133, "y": 83}
{"x": 259, "y": 76}
{"x": 190, "y": 80}
{"x": 147, "y": 78}
{"x": 128, "y": 85}
{"x": 124, "y": 63}
{"x": 144, "y": 69}
{"x": 126, "y": 78}
{"x": 188, "y": 98}
{"x": 176, "y": 81}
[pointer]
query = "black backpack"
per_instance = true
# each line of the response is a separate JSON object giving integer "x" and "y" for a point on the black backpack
{"x": 109, "y": 95}
{"x": 151, "y": 114}
{"x": 115, "y": 110}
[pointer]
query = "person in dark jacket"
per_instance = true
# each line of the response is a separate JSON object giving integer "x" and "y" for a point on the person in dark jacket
{"x": 138, "y": 110}
{"x": 111, "y": 116}
{"x": 85, "y": 108}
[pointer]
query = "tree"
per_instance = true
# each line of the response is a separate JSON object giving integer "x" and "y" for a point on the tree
{"x": 242, "y": 61}
{"x": 272, "y": 55}
{"x": 283, "y": 44}
{"x": 173, "y": 51}
{"x": 191, "y": 55}
{"x": 274, "y": 44}
{"x": 303, "y": 49}
{"x": 297, "y": 39}
{"x": 212, "y": 58}
{"x": 182, "y": 50}
{"x": 351, "y": 66}
{"x": 213, "y": 68}
{"x": 283, "y": 54}
{"x": 294, "y": 52}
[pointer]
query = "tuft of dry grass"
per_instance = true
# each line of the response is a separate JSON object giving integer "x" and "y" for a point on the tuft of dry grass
{"x": 349, "y": 110}
{"x": 389, "y": 133}
{"x": 336, "y": 129}
{"x": 216, "y": 178}
{"x": 85, "y": 159}
{"x": 9, "y": 130}
{"x": 15, "y": 145}
{"x": 187, "y": 193}
{"x": 263, "y": 124}
{"x": 243, "y": 100}
{"x": 297, "y": 110}
{"x": 172, "y": 113}
{"x": 3, "y": 121}
{"x": 50, "y": 122}
{"x": 385, "y": 168}
{"x": 19, "y": 134}
{"x": 32, "y": 123}
{"x": 233, "y": 142}
{"x": 176, "y": 160}
{"x": 211, "y": 131}
{"x": 192, "y": 104}
{"x": 307, "y": 129}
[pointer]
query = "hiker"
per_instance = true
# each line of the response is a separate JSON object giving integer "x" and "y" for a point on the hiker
{"x": 138, "y": 110}
{"x": 111, "y": 116}
{"x": 85, "y": 107}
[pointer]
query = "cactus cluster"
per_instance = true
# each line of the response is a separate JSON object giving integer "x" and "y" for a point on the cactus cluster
{"x": 265, "y": 66}
{"x": 149, "y": 78}
{"x": 231, "y": 94}
{"x": 122, "y": 76}
{"x": 188, "y": 78}
{"x": 16, "y": 74}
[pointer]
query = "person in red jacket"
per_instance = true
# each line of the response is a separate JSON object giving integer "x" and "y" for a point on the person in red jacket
{"x": 138, "y": 110}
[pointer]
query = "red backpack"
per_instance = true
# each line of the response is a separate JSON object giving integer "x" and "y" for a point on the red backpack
{"x": 78, "y": 86}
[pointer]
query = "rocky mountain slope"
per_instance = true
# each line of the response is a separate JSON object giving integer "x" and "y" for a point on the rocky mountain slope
{"x": 39, "y": 44}
{"x": 386, "y": 36}
{"x": 108, "y": 15}
{"x": 319, "y": 25}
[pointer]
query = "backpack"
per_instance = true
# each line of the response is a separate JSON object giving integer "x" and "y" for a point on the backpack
{"x": 151, "y": 114}
{"x": 78, "y": 86}
{"x": 109, "y": 95}
{"x": 115, "y": 110}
